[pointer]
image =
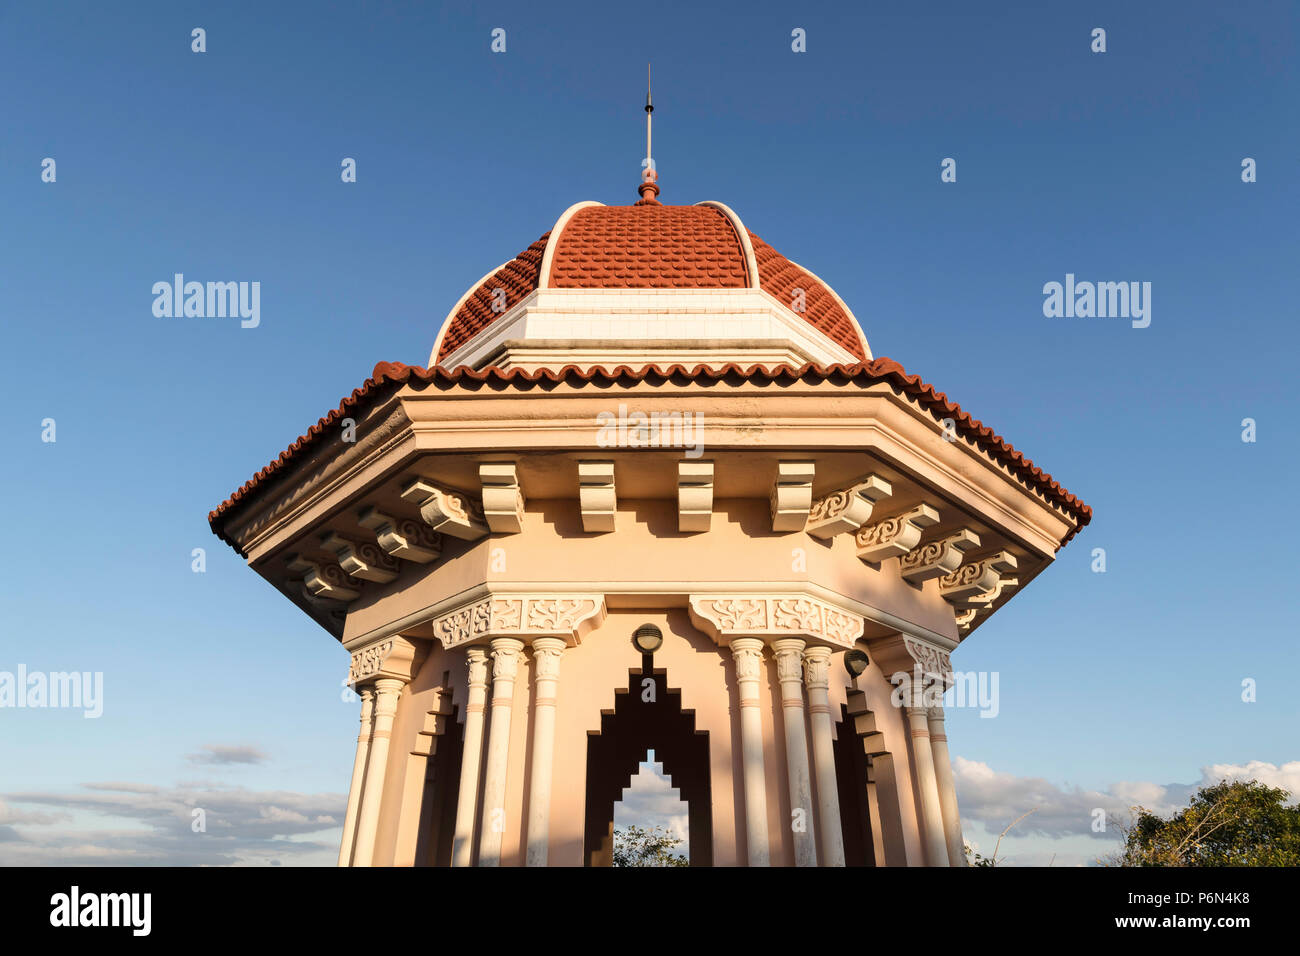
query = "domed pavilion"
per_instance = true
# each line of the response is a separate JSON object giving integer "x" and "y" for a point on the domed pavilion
{"x": 653, "y": 491}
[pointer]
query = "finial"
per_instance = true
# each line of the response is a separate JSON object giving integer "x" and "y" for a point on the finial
{"x": 649, "y": 187}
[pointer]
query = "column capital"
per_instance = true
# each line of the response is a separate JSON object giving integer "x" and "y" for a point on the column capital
{"x": 393, "y": 657}
{"x": 816, "y": 667}
{"x": 505, "y": 657}
{"x": 546, "y": 657}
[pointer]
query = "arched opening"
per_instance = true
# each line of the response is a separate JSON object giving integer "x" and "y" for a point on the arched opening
{"x": 653, "y": 805}
{"x": 647, "y": 716}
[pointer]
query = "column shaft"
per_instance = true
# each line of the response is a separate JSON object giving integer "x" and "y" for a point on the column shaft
{"x": 947, "y": 792}
{"x": 505, "y": 664}
{"x": 748, "y": 654}
{"x": 462, "y": 847}
{"x": 936, "y": 844}
{"x": 816, "y": 674}
{"x": 358, "y": 777}
{"x": 789, "y": 668}
{"x": 546, "y": 675}
{"x": 387, "y": 690}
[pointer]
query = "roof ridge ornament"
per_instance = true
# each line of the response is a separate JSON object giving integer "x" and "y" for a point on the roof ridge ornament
{"x": 649, "y": 187}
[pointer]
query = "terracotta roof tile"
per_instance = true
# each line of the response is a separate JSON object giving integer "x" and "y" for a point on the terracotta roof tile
{"x": 388, "y": 377}
{"x": 780, "y": 277}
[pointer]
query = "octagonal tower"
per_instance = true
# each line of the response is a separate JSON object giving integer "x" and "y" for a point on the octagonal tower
{"x": 650, "y": 422}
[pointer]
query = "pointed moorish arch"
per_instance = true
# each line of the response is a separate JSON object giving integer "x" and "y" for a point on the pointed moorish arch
{"x": 647, "y": 715}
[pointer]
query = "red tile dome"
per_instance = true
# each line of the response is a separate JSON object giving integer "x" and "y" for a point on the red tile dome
{"x": 650, "y": 246}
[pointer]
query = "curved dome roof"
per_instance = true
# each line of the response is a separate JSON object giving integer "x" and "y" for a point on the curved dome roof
{"x": 650, "y": 246}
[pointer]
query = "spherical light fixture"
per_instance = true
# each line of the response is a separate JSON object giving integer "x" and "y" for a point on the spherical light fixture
{"x": 855, "y": 662}
{"x": 648, "y": 638}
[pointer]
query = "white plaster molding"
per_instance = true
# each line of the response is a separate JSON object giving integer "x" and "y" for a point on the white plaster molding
{"x": 524, "y": 616}
{"x": 847, "y": 509}
{"x": 752, "y": 278}
{"x": 896, "y": 536}
{"x": 361, "y": 560}
{"x": 694, "y": 495}
{"x": 394, "y": 657}
{"x": 503, "y": 501}
{"x": 728, "y": 617}
{"x": 937, "y": 558}
{"x": 451, "y": 512}
{"x": 596, "y": 495}
{"x": 402, "y": 537}
{"x": 792, "y": 495}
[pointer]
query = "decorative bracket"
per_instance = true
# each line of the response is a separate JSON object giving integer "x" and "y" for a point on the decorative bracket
{"x": 792, "y": 495}
{"x": 896, "y": 536}
{"x": 324, "y": 579}
{"x": 402, "y": 537}
{"x": 503, "y": 502}
{"x": 694, "y": 495}
{"x": 364, "y": 561}
{"x": 970, "y": 584}
{"x": 937, "y": 558}
{"x": 596, "y": 495}
{"x": 451, "y": 512}
{"x": 847, "y": 509}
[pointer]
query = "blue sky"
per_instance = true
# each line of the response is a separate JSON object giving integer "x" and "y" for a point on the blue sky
{"x": 225, "y": 166}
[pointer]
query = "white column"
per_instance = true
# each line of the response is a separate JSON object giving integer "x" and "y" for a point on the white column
{"x": 789, "y": 668}
{"x": 816, "y": 662}
{"x": 505, "y": 664}
{"x": 947, "y": 792}
{"x": 748, "y": 654}
{"x": 936, "y": 845}
{"x": 462, "y": 847}
{"x": 358, "y": 776}
{"x": 387, "y": 690}
{"x": 546, "y": 677}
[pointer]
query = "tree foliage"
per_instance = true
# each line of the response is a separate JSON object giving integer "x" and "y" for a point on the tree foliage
{"x": 1228, "y": 824}
{"x": 638, "y": 846}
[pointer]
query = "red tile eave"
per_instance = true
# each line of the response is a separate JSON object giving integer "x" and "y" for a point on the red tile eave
{"x": 387, "y": 377}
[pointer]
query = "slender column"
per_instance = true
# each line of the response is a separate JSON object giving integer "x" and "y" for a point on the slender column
{"x": 947, "y": 792}
{"x": 816, "y": 661}
{"x": 505, "y": 664}
{"x": 462, "y": 847}
{"x": 748, "y": 653}
{"x": 358, "y": 776}
{"x": 936, "y": 845}
{"x": 387, "y": 690}
{"x": 546, "y": 677}
{"x": 789, "y": 668}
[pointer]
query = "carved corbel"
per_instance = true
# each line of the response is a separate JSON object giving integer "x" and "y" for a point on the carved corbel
{"x": 970, "y": 585}
{"x": 402, "y": 537}
{"x": 937, "y": 558}
{"x": 847, "y": 509}
{"x": 569, "y": 617}
{"x": 451, "y": 512}
{"x": 503, "y": 501}
{"x": 694, "y": 495}
{"x": 596, "y": 495}
{"x": 792, "y": 495}
{"x": 389, "y": 657}
{"x": 364, "y": 561}
{"x": 896, "y": 536}
{"x": 903, "y": 653}
{"x": 324, "y": 579}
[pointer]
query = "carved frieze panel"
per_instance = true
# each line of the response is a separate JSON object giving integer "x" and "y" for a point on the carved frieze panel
{"x": 567, "y": 616}
{"x": 896, "y": 536}
{"x": 724, "y": 617}
{"x": 393, "y": 657}
{"x": 847, "y": 509}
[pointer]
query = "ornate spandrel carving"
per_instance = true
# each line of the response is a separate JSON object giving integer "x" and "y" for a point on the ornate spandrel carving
{"x": 847, "y": 509}
{"x": 938, "y": 557}
{"x": 558, "y": 614}
{"x": 896, "y": 536}
{"x": 402, "y": 537}
{"x": 447, "y": 510}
